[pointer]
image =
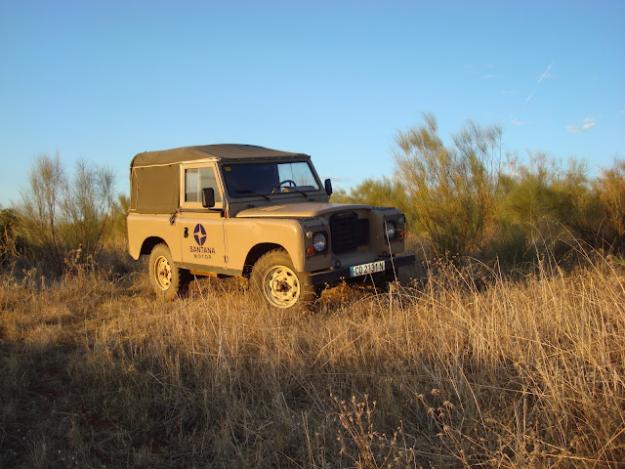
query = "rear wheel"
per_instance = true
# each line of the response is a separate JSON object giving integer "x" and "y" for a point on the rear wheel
{"x": 275, "y": 280}
{"x": 167, "y": 280}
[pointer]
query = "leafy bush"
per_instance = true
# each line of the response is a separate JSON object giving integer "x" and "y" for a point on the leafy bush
{"x": 119, "y": 229}
{"x": 462, "y": 199}
{"x": 611, "y": 190}
{"x": 40, "y": 207}
{"x": 382, "y": 192}
{"x": 542, "y": 207}
{"x": 9, "y": 221}
{"x": 451, "y": 189}
{"x": 59, "y": 215}
{"x": 86, "y": 206}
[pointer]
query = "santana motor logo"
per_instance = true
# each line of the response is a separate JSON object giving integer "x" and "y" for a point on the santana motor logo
{"x": 199, "y": 233}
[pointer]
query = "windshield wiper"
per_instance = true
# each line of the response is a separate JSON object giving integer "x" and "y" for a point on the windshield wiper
{"x": 299, "y": 191}
{"x": 289, "y": 190}
{"x": 246, "y": 191}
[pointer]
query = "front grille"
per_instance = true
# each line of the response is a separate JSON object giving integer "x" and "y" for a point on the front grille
{"x": 347, "y": 232}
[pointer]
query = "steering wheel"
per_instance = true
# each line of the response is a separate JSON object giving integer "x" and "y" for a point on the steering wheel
{"x": 288, "y": 182}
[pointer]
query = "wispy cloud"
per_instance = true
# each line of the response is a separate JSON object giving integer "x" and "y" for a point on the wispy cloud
{"x": 587, "y": 124}
{"x": 518, "y": 122}
{"x": 483, "y": 71}
{"x": 546, "y": 75}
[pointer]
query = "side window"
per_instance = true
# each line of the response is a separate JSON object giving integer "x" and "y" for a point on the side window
{"x": 196, "y": 179}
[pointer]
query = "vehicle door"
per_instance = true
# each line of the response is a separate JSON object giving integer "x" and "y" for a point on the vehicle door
{"x": 201, "y": 229}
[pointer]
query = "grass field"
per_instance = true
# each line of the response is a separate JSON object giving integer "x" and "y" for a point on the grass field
{"x": 531, "y": 373}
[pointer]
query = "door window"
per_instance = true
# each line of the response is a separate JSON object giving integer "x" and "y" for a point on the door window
{"x": 196, "y": 179}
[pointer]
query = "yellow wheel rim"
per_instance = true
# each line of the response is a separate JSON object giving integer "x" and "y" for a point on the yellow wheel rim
{"x": 162, "y": 272}
{"x": 281, "y": 287}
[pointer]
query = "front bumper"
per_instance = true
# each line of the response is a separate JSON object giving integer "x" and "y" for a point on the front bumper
{"x": 336, "y": 276}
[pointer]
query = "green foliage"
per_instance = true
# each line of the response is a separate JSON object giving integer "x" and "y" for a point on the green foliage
{"x": 451, "y": 189}
{"x": 459, "y": 198}
{"x": 119, "y": 211}
{"x": 462, "y": 200}
{"x": 382, "y": 192}
{"x": 59, "y": 215}
{"x": 611, "y": 190}
{"x": 9, "y": 242}
{"x": 40, "y": 206}
{"x": 86, "y": 207}
{"x": 542, "y": 207}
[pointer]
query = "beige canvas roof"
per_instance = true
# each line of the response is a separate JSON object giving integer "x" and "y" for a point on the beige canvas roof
{"x": 221, "y": 152}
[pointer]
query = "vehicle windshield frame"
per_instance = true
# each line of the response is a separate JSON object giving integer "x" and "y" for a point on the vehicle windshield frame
{"x": 297, "y": 191}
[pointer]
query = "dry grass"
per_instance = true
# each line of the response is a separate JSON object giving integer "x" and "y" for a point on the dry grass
{"x": 95, "y": 373}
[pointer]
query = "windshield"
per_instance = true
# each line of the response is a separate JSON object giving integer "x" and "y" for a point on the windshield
{"x": 245, "y": 179}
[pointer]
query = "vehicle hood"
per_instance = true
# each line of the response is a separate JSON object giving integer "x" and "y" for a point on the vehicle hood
{"x": 297, "y": 210}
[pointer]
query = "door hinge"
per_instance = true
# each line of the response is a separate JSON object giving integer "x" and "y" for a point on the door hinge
{"x": 225, "y": 259}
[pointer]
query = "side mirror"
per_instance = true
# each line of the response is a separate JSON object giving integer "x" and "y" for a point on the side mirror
{"x": 208, "y": 197}
{"x": 328, "y": 186}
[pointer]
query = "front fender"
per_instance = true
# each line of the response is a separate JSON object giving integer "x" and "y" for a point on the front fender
{"x": 241, "y": 235}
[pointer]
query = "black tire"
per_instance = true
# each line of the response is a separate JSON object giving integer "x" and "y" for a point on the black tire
{"x": 167, "y": 280}
{"x": 275, "y": 280}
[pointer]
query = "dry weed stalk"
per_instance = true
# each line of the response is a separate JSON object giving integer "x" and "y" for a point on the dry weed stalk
{"x": 460, "y": 372}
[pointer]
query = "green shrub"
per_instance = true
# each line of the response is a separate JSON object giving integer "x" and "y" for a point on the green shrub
{"x": 459, "y": 199}
{"x": 59, "y": 215}
{"x": 9, "y": 243}
{"x": 451, "y": 190}
{"x": 383, "y": 192}
{"x": 610, "y": 187}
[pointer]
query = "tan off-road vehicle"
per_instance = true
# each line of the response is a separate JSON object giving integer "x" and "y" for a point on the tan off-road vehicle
{"x": 243, "y": 210}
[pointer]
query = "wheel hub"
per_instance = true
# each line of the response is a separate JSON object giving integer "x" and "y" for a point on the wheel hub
{"x": 162, "y": 272}
{"x": 281, "y": 287}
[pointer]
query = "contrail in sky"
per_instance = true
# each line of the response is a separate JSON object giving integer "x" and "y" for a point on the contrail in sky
{"x": 546, "y": 75}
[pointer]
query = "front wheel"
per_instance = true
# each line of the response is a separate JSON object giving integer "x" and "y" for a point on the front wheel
{"x": 166, "y": 279}
{"x": 274, "y": 279}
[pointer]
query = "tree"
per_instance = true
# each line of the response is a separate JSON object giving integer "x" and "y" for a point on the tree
{"x": 119, "y": 211}
{"x": 611, "y": 188}
{"x": 86, "y": 205}
{"x": 58, "y": 214}
{"x": 382, "y": 192}
{"x": 40, "y": 205}
{"x": 9, "y": 221}
{"x": 452, "y": 190}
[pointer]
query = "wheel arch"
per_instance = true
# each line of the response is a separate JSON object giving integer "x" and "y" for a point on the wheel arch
{"x": 149, "y": 243}
{"x": 256, "y": 252}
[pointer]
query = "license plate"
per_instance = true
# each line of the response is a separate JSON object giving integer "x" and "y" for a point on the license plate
{"x": 366, "y": 269}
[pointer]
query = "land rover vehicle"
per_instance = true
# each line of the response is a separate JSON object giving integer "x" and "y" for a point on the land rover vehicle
{"x": 255, "y": 212}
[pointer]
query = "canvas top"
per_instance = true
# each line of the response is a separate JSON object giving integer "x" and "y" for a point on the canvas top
{"x": 219, "y": 152}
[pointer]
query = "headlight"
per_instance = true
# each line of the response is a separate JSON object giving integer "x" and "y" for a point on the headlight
{"x": 390, "y": 229}
{"x": 319, "y": 242}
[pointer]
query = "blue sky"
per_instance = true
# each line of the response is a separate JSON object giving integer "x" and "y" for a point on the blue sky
{"x": 102, "y": 81}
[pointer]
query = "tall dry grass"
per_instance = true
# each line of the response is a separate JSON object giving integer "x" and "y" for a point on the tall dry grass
{"x": 529, "y": 373}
